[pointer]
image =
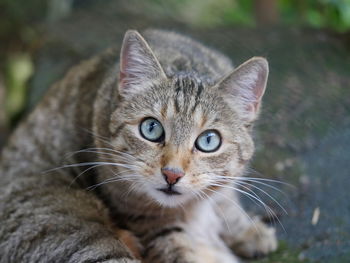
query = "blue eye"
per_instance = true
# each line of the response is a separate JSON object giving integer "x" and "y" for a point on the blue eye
{"x": 208, "y": 141}
{"x": 152, "y": 130}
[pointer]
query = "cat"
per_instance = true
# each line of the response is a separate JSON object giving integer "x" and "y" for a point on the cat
{"x": 148, "y": 143}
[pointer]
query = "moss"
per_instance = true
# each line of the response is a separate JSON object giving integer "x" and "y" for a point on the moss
{"x": 284, "y": 254}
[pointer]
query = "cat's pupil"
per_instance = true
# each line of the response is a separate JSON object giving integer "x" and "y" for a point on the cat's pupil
{"x": 209, "y": 138}
{"x": 151, "y": 126}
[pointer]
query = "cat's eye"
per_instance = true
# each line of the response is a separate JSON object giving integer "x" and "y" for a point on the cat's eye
{"x": 152, "y": 130}
{"x": 208, "y": 141}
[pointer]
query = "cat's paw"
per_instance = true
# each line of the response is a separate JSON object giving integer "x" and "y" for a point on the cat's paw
{"x": 256, "y": 241}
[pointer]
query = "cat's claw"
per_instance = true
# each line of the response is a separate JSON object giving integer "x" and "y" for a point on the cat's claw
{"x": 257, "y": 241}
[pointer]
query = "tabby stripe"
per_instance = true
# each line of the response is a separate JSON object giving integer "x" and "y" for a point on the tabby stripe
{"x": 163, "y": 111}
{"x": 197, "y": 98}
{"x": 240, "y": 154}
{"x": 162, "y": 233}
{"x": 146, "y": 251}
{"x": 176, "y": 255}
{"x": 176, "y": 102}
{"x": 135, "y": 219}
{"x": 118, "y": 129}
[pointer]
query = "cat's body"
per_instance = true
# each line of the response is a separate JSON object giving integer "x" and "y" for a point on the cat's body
{"x": 49, "y": 216}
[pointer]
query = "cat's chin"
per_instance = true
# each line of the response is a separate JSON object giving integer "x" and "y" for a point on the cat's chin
{"x": 167, "y": 198}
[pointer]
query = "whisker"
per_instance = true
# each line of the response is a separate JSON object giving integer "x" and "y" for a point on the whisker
{"x": 254, "y": 179}
{"x": 254, "y": 196}
{"x": 109, "y": 180}
{"x": 263, "y": 191}
{"x": 131, "y": 188}
{"x": 234, "y": 188}
{"x": 268, "y": 210}
{"x": 97, "y": 136}
{"x": 237, "y": 205}
{"x": 266, "y": 207}
{"x": 264, "y": 184}
{"x": 196, "y": 195}
{"x": 80, "y": 174}
{"x": 253, "y": 171}
{"x": 240, "y": 181}
{"x": 250, "y": 183}
{"x": 99, "y": 150}
{"x": 113, "y": 156}
{"x": 90, "y": 163}
{"x": 219, "y": 209}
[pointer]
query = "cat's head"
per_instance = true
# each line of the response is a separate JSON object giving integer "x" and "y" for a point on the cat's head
{"x": 181, "y": 138}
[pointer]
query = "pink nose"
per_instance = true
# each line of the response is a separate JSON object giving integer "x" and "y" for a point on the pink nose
{"x": 172, "y": 175}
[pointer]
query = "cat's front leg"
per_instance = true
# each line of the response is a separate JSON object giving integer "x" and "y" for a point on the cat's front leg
{"x": 248, "y": 237}
{"x": 169, "y": 245}
{"x": 176, "y": 246}
{"x": 196, "y": 240}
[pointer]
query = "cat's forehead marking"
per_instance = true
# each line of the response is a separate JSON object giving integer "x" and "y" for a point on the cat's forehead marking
{"x": 164, "y": 111}
{"x": 188, "y": 88}
{"x": 181, "y": 107}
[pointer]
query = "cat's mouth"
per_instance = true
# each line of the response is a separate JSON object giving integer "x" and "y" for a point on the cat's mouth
{"x": 169, "y": 191}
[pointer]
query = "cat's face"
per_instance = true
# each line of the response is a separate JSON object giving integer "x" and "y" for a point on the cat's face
{"x": 180, "y": 138}
{"x": 185, "y": 127}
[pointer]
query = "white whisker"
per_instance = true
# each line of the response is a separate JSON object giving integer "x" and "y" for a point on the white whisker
{"x": 130, "y": 189}
{"x": 263, "y": 191}
{"x": 256, "y": 179}
{"x": 100, "y": 150}
{"x": 268, "y": 210}
{"x": 219, "y": 209}
{"x": 91, "y": 163}
{"x": 109, "y": 180}
{"x": 97, "y": 136}
{"x": 236, "y": 205}
{"x": 255, "y": 197}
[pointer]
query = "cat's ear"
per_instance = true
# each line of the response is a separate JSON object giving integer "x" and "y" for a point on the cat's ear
{"x": 139, "y": 68}
{"x": 245, "y": 86}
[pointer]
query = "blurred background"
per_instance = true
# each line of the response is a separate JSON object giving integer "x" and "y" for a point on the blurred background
{"x": 303, "y": 136}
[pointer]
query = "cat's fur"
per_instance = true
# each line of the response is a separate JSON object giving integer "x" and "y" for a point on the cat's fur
{"x": 50, "y": 216}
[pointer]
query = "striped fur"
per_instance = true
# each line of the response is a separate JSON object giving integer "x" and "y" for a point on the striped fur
{"x": 103, "y": 204}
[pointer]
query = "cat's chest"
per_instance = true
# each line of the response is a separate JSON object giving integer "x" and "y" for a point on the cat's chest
{"x": 204, "y": 223}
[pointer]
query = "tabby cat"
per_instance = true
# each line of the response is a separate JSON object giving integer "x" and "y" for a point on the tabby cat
{"x": 152, "y": 145}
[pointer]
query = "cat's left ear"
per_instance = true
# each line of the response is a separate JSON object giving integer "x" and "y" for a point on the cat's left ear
{"x": 139, "y": 67}
{"x": 244, "y": 87}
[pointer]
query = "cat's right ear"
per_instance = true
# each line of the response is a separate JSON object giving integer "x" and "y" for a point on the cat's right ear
{"x": 139, "y": 68}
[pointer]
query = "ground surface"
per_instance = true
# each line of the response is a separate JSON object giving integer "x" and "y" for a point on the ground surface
{"x": 304, "y": 132}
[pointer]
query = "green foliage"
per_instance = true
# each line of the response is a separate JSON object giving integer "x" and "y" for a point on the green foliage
{"x": 241, "y": 14}
{"x": 19, "y": 68}
{"x": 284, "y": 254}
{"x": 333, "y": 14}
{"x": 204, "y": 13}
